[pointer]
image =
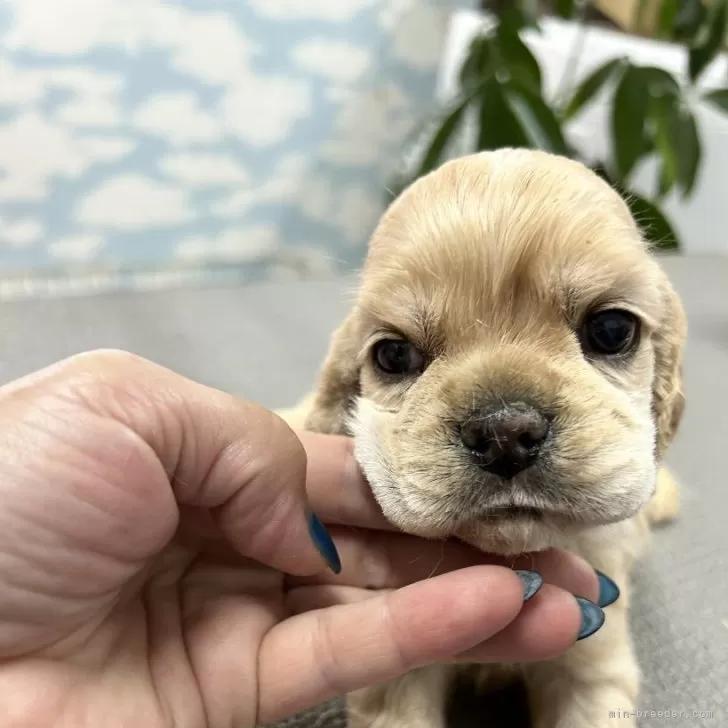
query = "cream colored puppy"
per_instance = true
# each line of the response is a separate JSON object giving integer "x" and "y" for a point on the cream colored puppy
{"x": 511, "y": 375}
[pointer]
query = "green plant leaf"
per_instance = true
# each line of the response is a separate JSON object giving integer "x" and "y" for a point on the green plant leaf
{"x": 690, "y": 152}
{"x": 477, "y": 62}
{"x": 689, "y": 19}
{"x": 659, "y": 80}
{"x": 629, "y": 113}
{"x": 655, "y": 226}
{"x": 517, "y": 58}
{"x": 667, "y": 16}
{"x": 677, "y": 141}
{"x": 665, "y": 183}
{"x": 449, "y": 124}
{"x": 513, "y": 19}
{"x": 590, "y": 86}
{"x": 565, "y": 8}
{"x": 662, "y": 112}
{"x": 499, "y": 126}
{"x": 718, "y": 98}
{"x": 701, "y": 55}
{"x": 664, "y": 90}
{"x": 537, "y": 118}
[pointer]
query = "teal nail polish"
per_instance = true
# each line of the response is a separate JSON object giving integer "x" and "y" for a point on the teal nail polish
{"x": 592, "y": 618}
{"x": 608, "y": 590}
{"x": 324, "y": 543}
{"x": 532, "y": 581}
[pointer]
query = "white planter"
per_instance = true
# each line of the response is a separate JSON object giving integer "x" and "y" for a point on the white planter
{"x": 702, "y": 221}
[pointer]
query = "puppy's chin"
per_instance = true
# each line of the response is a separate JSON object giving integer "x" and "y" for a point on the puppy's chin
{"x": 511, "y": 535}
{"x": 407, "y": 504}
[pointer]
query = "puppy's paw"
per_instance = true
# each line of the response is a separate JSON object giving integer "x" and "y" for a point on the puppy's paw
{"x": 664, "y": 505}
{"x": 415, "y": 700}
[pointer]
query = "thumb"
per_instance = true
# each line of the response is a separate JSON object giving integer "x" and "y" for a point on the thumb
{"x": 237, "y": 461}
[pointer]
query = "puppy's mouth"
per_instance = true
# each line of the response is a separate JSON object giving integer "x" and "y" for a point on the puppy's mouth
{"x": 512, "y": 513}
{"x": 546, "y": 513}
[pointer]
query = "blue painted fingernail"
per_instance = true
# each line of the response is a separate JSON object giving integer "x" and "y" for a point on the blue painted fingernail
{"x": 592, "y": 618}
{"x": 532, "y": 581}
{"x": 324, "y": 543}
{"x": 608, "y": 590}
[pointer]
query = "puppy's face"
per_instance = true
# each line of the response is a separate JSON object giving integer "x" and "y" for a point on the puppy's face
{"x": 511, "y": 368}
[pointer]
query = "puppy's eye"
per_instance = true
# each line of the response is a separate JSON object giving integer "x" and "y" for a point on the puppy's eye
{"x": 397, "y": 356}
{"x": 611, "y": 332}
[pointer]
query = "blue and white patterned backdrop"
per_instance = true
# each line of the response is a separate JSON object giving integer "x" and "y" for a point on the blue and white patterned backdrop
{"x": 159, "y": 134}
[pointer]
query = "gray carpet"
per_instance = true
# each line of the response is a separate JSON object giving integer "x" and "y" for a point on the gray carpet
{"x": 265, "y": 342}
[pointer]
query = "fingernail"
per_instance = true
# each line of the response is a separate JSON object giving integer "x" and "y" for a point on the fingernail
{"x": 324, "y": 543}
{"x": 608, "y": 590}
{"x": 532, "y": 581}
{"x": 592, "y": 618}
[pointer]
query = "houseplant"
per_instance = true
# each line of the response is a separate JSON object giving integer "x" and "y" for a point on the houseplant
{"x": 501, "y": 98}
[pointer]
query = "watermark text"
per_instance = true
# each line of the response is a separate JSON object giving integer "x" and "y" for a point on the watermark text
{"x": 664, "y": 714}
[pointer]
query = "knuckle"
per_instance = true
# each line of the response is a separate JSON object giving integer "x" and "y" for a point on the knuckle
{"x": 399, "y": 637}
{"x": 331, "y": 670}
{"x": 101, "y": 374}
{"x": 97, "y": 361}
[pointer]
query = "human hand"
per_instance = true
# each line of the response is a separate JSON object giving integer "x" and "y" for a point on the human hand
{"x": 157, "y": 566}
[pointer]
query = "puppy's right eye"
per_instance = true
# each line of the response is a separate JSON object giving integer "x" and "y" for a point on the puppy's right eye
{"x": 610, "y": 332}
{"x": 397, "y": 356}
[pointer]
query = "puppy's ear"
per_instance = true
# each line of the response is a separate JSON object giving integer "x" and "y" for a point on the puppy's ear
{"x": 339, "y": 382}
{"x": 668, "y": 399}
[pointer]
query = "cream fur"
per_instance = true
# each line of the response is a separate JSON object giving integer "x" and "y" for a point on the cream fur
{"x": 489, "y": 264}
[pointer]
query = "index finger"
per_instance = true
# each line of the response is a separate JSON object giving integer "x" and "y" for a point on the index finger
{"x": 351, "y": 645}
{"x": 336, "y": 487}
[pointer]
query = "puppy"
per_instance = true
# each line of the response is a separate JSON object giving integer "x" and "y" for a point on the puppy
{"x": 511, "y": 374}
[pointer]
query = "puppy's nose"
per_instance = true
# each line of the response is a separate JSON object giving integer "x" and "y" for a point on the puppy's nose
{"x": 506, "y": 441}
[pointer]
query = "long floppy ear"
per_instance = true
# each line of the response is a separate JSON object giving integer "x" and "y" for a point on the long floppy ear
{"x": 668, "y": 399}
{"x": 338, "y": 385}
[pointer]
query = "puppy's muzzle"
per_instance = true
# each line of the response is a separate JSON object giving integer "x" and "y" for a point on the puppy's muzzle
{"x": 506, "y": 440}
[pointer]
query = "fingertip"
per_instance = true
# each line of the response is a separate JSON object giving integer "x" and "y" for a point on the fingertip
{"x": 564, "y": 569}
{"x": 547, "y": 626}
{"x": 475, "y": 603}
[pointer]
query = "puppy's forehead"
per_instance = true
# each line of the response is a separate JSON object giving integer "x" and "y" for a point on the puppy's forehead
{"x": 508, "y": 237}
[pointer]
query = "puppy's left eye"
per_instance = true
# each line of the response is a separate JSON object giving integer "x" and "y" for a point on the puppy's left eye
{"x": 397, "y": 356}
{"x": 610, "y": 332}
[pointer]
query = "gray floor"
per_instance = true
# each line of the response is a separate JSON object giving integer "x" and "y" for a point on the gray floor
{"x": 266, "y": 342}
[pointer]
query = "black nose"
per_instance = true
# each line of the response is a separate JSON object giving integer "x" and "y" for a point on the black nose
{"x": 506, "y": 441}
